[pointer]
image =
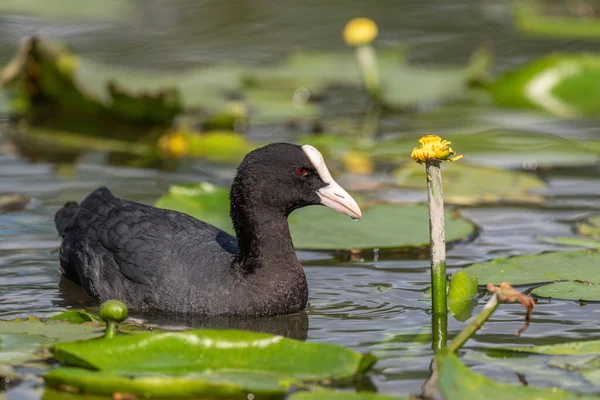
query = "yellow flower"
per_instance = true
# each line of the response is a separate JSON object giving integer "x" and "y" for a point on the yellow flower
{"x": 174, "y": 146}
{"x": 434, "y": 148}
{"x": 359, "y": 31}
{"x": 357, "y": 162}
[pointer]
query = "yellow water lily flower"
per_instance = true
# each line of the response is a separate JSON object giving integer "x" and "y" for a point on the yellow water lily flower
{"x": 174, "y": 145}
{"x": 434, "y": 148}
{"x": 359, "y": 31}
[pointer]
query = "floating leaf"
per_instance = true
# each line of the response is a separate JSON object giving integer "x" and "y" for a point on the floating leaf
{"x": 568, "y": 348}
{"x": 590, "y": 227}
{"x": 571, "y": 241}
{"x": 562, "y": 84}
{"x": 74, "y": 317}
{"x": 212, "y": 350}
{"x": 331, "y": 395}
{"x": 461, "y": 301}
{"x": 319, "y": 227}
{"x": 470, "y": 184}
{"x": 457, "y": 382}
{"x": 548, "y": 267}
{"x": 216, "y": 384}
{"x": 271, "y": 106}
{"x": 530, "y": 19}
{"x": 507, "y": 148}
{"x": 62, "y": 141}
{"x": 572, "y": 290}
{"x": 403, "y": 84}
{"x": 110, "y": 10}
{"x": 23, "y": 340}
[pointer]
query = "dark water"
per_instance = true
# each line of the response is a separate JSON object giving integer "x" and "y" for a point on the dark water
{"x": 375, "y": 303}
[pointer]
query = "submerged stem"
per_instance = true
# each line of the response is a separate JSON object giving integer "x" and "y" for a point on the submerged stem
{"x": 437, "y": 236}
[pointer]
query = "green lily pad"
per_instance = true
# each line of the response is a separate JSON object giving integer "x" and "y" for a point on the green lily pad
{"x": 571, "y": 241}
{"x": 111, "y": 10}
{"x": 402, "y": 84}
{"x": 509, "y": 147}
{"x": 63, "y": 141}
{"x": 568, "y": 348}
{"x": 24, "y": 340}
{"x": 75, "y": 317}
{"x": 318, "y": 228}
{"x": 469, "y": 184}
{"x": 331, "y": 395}
{"x": 531, "y": 19}
{"x": 215, "y": 384}
{"x": 590, "y": 227}
{"x": 571, "y": 290}
{"x": 222, "y": 146}
{"x": 562, "y": 84}
{"x": 541, "y": 268}
{"x": 272, "y": 106}
{"x": 461, "y": 295}
{"x": 214, "y": 350}
{"x": 457, "y": 382}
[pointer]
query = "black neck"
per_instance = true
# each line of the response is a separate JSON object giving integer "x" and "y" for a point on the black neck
{"x": 263, "y": 236}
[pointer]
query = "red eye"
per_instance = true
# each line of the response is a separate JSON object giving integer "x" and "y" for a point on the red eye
{"x": 301, "y": 171}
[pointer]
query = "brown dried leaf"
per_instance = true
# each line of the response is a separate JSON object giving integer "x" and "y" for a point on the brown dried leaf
{"x": 506, "y": 293}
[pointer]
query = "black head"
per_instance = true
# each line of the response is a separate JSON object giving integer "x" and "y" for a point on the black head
{"x": 281, "y": 177}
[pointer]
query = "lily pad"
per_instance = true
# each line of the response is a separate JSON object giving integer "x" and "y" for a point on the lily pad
{"x": 75, "y": 317}
{"x": 571, "y": 241}
{"x": 402, "y": 84}
{"x": 568, "y": 348}
{"x": 216, "y": 384}
{"x": 457, "y": 382}
{"x": 560, "y": 83}
{"x": 24, "y": 340}
{"x": 272, "y": 106}
{"x": 111, "y": 10}
{"x": 318, "y": 228}
{"x": 214, "y": 350}
{"x": 590, "y": 227}
{"x": 572, "y": 290}
{"x": 221, "y": 146}
{"x": 461, "y": 295}
{"x": 507, "y": 148}
{"x": 541, "y": 268}
{"x": 331, "y": 395}
{"x": 531, "y": 19}
{"x": 469, "y": 184}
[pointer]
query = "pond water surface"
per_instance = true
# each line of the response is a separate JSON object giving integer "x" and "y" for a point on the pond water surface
{"x": 376, "y": 302}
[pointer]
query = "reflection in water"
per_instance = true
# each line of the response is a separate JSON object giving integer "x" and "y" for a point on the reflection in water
{"x": 293, "y": 326}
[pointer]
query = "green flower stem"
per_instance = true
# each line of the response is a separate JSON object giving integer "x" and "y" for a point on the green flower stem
{"x": 437, "y": 236}
{"x": 111, "y": 330}
{"x": 368, "y": 68}
{"x": 460, "y": 339}
{"x": 439, "y": 327}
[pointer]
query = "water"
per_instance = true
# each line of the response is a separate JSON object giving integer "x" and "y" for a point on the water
{"x": 372, "y": 302}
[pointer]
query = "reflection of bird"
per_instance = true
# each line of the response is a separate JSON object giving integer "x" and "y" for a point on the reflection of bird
{"x": 155, "y": 259}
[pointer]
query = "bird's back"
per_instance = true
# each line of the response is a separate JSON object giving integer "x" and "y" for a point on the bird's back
{"x": 148, "y": 257}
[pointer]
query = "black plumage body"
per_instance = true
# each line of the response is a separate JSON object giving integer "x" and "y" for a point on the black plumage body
{"x": 156, "y": 259}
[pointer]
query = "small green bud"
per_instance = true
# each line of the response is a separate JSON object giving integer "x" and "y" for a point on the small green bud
{"x": 113, "y": 310}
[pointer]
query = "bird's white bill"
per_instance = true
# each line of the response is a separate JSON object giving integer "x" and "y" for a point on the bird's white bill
{"x": 332, "y": 195}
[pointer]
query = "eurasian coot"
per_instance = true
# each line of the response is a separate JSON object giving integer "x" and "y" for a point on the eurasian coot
{"x": 156, "y": 259}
